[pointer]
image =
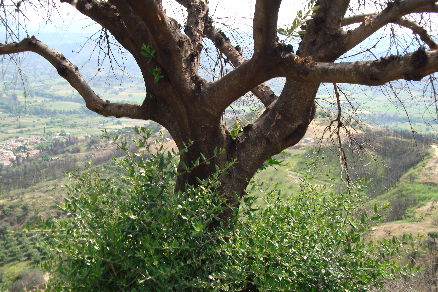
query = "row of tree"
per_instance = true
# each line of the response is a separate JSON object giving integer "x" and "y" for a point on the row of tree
{"x": 21, "y": 246}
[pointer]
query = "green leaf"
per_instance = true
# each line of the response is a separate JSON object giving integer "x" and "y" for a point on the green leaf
{"x": 196, "y": 163}
{"x": 376, "y": 217}
{"x": 262, "y": 167}
{"x": 60, "y": 269}
{"x": 272, "y": 161}
{"x": 148, "y": 51}
{"x": 157, "y": 74}
{"x": 282, "y": 31}
{"x": 157, "y": 78}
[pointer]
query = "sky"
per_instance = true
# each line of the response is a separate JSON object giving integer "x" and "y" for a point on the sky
{"x": 236, "y": 12}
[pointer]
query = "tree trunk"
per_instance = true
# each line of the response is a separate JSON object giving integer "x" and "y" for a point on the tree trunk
{"x": 282, "y": 125}
{"x": 190, "y": 107}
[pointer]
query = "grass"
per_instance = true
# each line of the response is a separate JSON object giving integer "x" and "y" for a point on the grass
{"x": 418, "y": 127}
{"x": 65, "y": 106}
{"x": 12, "y": 270}
{"x": 409, "y": 186}
{"x": 287, "y": 178}
{"x": 75, "y": 124}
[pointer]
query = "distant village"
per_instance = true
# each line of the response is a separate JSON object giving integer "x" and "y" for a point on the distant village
{"x": 15, "y": 150}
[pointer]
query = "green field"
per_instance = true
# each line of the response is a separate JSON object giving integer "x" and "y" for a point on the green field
{"x": 52, "y": 106}
{"x": 66, "y": 106}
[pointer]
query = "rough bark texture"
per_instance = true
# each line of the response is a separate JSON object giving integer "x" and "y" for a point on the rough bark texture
{"x": 191, "y": 107}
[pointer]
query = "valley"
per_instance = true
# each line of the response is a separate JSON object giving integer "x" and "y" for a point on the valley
{"x": 46, "y": 131}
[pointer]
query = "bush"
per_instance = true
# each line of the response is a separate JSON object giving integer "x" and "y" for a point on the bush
{"x": 34, "y": 256}
{"x": 433, "y": 234}
{"x": 45, "y": 157}
{"x": 4, "y": 258}
{"x": 32, "y": 279}
{"x": 16, "y": 253}
{"x": 4, "y": 228}
{"x": 16, "y": 287}
{"x": 75, "y": 149}
{"x": 314, "y": 241}
{"x": 140, "y": 235}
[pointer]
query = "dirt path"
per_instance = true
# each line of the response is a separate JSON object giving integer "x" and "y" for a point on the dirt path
{"x": 429, "y": 174}
{"x": 427, "y": 215}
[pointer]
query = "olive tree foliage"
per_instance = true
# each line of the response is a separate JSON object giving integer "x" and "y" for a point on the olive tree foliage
{"x": 135, "y": 233}
{"x": 190, "y": 107}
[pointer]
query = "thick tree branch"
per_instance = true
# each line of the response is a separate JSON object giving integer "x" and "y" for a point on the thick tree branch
{"x": 173, "y": 48}
{"x": 236, "y": 83}
{"x": 393, "y": 12}
{"x": 333, "y": 11}
{"x": 323, "y": 29}
{"x": 107, "y": 16}
{"x": 412, "y": 67}
{"x": 223, "y": 44}
{"x": 433, "y": 7}
{"x": 415, "y": 27}
{"x": 357, "y": 18}
{"x": 70, "y": 73}
{"x": 264, "y": 93}
{"x": 197, "y": 14}
{"x": 164, "y": 36}
{"x": 265, "y": 26}
{"x": 282, "y": 124}
{"x": 133, "y": 22}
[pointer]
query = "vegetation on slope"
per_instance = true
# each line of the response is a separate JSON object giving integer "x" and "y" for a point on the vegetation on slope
{"x": 17, "y": 209}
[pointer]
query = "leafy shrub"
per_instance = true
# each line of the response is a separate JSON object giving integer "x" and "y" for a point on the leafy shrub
{"x": 34, "y": 256}
{"x": 314, "y": 241}
{"x": 4, "y": 258}
{"x": 140, "y": 235}
{"x": 75, "y": 149}
{"x": 16, "y": 287}
{"x": 45, "y": 157}
{"x": 4, "y": 228}
{"x": 16, "y": 253}
{"x": 32, "y": 279}
{"x": 433, "y": 234}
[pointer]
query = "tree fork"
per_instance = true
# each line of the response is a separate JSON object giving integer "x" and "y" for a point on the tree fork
{"x": 190, "y": 107}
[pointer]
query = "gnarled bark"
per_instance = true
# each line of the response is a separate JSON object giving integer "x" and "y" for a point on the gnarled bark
{"x": 191, "y": 107}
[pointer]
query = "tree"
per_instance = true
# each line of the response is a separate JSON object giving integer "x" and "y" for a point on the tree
{"x": 190, "y": 107}
{"x": 137, "y": 234}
